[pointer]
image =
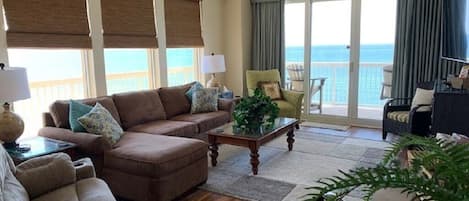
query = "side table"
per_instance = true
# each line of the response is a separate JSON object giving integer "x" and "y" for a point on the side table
{"x": 40, "y": 146}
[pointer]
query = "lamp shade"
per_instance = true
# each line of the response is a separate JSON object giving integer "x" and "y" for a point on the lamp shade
{"x": 213, "y": 64}
{"x": 14, "y": 85}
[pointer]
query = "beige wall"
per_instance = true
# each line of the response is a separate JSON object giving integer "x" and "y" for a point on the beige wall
{"x": 212, "y": 29}
{"x": 237, "y": 43}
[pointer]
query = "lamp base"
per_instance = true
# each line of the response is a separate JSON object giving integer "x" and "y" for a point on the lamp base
{"x": 11, "y": 125}
{"x": 213, "y": 82}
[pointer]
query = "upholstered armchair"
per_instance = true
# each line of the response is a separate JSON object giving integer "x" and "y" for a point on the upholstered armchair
{"x": 290, "y": 105}
{"x": 49, "y": 178}
{"x": 399, "y": 116}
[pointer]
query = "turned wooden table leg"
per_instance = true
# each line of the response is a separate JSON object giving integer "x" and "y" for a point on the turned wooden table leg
{"x": 254, "y": 157}
{"x": 290, "y": 139}
{"x": 213, "y": 147}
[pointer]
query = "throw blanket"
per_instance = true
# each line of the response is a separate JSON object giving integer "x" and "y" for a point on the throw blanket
{"x": 10, "y": 187}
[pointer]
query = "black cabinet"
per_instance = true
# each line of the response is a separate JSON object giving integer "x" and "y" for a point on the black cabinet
{"x": 450, "y": 110}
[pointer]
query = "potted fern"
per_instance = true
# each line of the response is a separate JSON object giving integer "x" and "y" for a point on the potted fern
{"x": 449, "y": 164}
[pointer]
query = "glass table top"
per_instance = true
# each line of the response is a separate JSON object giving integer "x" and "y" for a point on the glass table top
{"x": 228, "y": 130}
{"x": 39, "y": 146}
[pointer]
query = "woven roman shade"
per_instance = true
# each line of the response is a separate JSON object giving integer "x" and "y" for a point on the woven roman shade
{"x": 183, "y": 28}
{"x": 47, "y": 23}
{"x": 128, "y": 24}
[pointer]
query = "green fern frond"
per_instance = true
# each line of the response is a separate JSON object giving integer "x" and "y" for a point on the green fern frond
{"x": 449, "y": 164}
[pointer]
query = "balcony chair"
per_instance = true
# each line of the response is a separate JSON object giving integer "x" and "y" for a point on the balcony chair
{"x": 291, "y": 104}
{"x": 296, "y": 80}
{"x": 398, "y": 117}
{"x": 387, "y": 82}
{"x": 51, "y": 177}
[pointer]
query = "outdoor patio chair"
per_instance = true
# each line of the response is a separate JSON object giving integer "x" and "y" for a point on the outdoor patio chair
{"x": 387, "y": 82}
{"x": 296, "y": 80}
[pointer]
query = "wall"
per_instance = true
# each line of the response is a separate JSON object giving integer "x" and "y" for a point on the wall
{"x": 213, "y": 30}
{"x": 237, "y": 43}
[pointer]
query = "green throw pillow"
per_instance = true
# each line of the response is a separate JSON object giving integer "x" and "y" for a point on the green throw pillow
{"x": 195, "y": 86}
{"x": 100, "y": 121}
{"x": 77, "y": 110}
{"x": 204, "y": 100}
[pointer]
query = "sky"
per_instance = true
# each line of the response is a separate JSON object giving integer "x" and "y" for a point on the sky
{"x": 331, "y": 22}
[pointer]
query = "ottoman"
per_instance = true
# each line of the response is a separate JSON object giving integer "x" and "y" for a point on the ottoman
{"x": 155, "y": 167}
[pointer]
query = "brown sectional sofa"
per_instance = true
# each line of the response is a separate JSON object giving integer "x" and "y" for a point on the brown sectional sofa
{"x": 160, "y": 156}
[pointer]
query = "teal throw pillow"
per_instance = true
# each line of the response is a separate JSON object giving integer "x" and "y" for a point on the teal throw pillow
{"x": 100, "y": 121}
{"x": 204, "y": 100}
{"x": 195, "y": 86}
{"x": 77, "y": 110}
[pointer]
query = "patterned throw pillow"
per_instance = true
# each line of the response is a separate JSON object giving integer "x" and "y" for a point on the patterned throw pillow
{"x": 204, "y": 100}
{"x": 100, "y": 121}
{"x": 196, "y": 86}
{"x": 77, "y": 110}
{"x": 271, "y": 89}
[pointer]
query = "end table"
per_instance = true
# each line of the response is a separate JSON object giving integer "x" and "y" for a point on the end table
{"x": 40, "y": 146}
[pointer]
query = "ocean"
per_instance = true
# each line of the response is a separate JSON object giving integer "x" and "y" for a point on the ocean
{"x": 66, "y": 64}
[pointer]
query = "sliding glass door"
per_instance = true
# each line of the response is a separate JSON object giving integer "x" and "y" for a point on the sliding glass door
{"x": 346, "y": 45}
{"x": 377, "y": 35}
{"x": 330, "y": 57}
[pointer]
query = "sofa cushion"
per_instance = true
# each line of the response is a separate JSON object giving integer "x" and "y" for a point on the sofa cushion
{"x": 139, "y": 107}
{"x": 59, "y": 110}
{"x": 91, "y": 189}
{"x": 205, "y": 121}
{"x": 400, "y": 116}
{"x": 153, "y": 155}
{"x": 166, "y": 127}
{"x": 174, "y": 99}
{"x": 204, "y": 100}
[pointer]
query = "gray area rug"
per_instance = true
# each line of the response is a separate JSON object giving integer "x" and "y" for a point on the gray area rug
{"x": 283, "y": 175}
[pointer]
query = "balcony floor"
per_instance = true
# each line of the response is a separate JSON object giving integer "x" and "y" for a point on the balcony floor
{"x": 374, "y": 113}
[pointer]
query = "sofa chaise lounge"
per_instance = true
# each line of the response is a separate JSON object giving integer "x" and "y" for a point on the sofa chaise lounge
{"x": 160, "y": 156}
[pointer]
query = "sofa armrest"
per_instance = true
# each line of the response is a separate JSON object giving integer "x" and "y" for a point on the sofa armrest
{"x": 227, "y": 105}
{"x": 86, "y": 142}
{"x": 294, "y": 98}
{"x": 46, "y": 173}
{"x": 84, "y": 168}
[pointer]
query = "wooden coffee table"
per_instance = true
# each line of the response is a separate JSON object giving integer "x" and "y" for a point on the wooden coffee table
{"x": 226, "y": 135}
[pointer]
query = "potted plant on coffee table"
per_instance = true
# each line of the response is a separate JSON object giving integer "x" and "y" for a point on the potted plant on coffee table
{"x": 255, "y": 112}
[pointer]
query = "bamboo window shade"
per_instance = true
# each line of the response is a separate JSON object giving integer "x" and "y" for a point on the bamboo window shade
{"x": 128, "y": 24}
{"x": 183, "y": 28}
{"x": 47, "y": 23}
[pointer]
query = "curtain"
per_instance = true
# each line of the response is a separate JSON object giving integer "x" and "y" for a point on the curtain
{"x": 417, "y": 47}
{"x": 268, "y": 35}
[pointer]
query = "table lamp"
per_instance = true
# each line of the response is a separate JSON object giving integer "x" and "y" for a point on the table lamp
{"x": 14, "y": 86}
{"x": 213, "y": 64}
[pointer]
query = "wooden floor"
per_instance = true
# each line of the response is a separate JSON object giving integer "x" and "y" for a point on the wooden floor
{"x": 203, "y": 195}
{"x": 356, "y": 132}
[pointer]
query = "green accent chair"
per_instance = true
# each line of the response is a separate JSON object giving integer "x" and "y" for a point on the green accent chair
{"x": 292, "y": 101}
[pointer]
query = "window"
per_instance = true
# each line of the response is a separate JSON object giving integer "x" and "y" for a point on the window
{"x": 126, "y": 70}
{"x": 53, "y": 75}
{"x": 182, "y": 65}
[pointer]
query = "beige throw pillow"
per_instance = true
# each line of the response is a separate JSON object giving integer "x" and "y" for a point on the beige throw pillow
{"x": 271, "y": 89}
{"x": 422, "y": 97}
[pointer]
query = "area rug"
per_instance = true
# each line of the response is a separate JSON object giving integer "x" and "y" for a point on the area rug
{"x": 284, "y": 175}
{"x": 326, "y": 126}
